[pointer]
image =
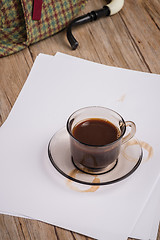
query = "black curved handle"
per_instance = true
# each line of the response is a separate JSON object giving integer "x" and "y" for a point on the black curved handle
{"x": 89, "y": 17}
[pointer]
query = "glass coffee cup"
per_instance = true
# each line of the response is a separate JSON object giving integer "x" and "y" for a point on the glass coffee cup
{"x": 96, "y": 135}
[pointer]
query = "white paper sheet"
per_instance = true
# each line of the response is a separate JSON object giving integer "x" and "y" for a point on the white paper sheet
{"x": 155, "y": 227}
{"x": 146, "y": 227}
{"x": 29, "y": 184}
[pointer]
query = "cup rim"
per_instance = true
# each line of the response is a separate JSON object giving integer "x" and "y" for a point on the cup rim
{"x": 97, "y": 146}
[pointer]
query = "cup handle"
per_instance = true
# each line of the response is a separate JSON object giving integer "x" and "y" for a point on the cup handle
{"x": 131, "y": 133}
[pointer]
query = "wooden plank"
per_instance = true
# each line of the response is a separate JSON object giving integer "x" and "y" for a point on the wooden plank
{"x": 14, "y": 70}
{"x": 144, "y": 32}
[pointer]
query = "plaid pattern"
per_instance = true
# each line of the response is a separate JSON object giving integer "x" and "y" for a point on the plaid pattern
{"x": 18, "y": 30}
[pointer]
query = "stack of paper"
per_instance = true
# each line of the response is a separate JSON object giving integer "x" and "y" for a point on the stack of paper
{"x": 31, "y": 186}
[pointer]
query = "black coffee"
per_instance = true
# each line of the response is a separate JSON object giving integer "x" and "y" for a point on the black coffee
{"x": 95, "y": 132}
{"x": 91, "y": 151}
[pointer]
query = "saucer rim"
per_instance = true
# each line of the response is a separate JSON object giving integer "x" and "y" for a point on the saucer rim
{"x": 96, "y": 175}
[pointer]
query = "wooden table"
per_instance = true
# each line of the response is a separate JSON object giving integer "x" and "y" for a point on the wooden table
{"x": 129, "y": 39}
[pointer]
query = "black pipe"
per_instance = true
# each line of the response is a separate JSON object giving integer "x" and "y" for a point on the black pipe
{"x": 89, "y": 17}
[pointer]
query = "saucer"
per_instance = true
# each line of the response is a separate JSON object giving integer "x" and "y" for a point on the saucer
{"x": 59, "y": 154}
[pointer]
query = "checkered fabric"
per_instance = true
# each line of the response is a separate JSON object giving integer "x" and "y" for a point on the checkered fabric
{"x": 18, "y": 30}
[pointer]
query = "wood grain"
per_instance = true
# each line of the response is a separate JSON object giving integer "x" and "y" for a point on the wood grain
{"x": 129, "y": 39}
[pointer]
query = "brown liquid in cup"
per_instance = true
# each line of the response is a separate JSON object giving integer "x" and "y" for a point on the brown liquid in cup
{"x": 95, "y": 132}
{"x": 90, "y": 150}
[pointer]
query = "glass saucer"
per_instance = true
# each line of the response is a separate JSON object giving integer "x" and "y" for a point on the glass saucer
{"x": 59, "y": 155}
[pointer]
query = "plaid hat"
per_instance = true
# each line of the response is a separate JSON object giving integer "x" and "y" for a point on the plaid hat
{"x": 18, "y": 29}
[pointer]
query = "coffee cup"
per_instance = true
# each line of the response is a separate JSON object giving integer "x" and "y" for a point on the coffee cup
{"x": 96, "y": 135}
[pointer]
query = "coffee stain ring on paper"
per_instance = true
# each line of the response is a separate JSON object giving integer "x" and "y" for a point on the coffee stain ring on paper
{"x": 72, "y": 174}
{"x": 145, "y": 146}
